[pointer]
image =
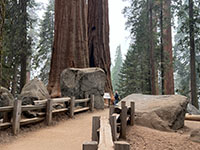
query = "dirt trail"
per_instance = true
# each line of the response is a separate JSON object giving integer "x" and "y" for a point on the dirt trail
{"x": 67, "y": 135}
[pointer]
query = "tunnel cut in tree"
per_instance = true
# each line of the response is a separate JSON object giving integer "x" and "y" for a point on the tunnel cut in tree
{"x": 70, "y": 48}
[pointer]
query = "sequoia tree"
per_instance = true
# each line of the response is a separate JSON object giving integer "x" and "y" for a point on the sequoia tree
{"x": 98, "y": 33}
{"x": 70, "y": 48}
{"x": 166, "y": 45}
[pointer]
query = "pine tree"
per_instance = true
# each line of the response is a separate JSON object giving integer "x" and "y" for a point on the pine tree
{"x": 116, "y": 68}
{"x": 43, "y": 56}
{"x": 2, "y": 20}
{"x": 16, "y": 42}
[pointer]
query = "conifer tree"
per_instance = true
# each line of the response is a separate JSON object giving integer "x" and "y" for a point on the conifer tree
{"x": 116, "y": 68}
{"x": 43, "y": 56}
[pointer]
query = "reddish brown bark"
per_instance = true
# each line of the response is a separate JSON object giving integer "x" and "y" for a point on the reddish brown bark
{"x": 70, "y": 47}
{"x": 168, "y": 81}
{"x": 98, "y": 32}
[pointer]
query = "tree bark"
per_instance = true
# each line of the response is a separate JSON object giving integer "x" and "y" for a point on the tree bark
{"x": 2, "y": 19}
{"x": 98, "y": 32}
{"x": 168, "y": 81}
{"x": 23, "y": 55}
{"x": 194, "y": 99}
{"x": 152, "y": 49}
{"x": 70, "y": 47}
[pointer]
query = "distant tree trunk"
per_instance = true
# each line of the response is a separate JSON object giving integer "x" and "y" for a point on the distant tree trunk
{"x": 2, "y": 18}
{"x": 98, "y": 32}
{"x": 192, "y": 57}
{"x": 167, "y": 58}
{"x": 23, "y": 59}
{"x": 152, "y": 49}
{"x": 14, "y": 80}
{"x": 70, "y": 47}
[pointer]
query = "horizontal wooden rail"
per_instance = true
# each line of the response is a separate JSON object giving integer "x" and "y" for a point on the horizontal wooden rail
{"x": 31, "y": 120}
{"x": 61, "y": 100}
{"x": 82, "y": 100}
{"x": 60, "y": 110}
{"x": 6, "y": 109}
{"x": 55, "y": 100}
{"x": 32, "y": 107}
{"x": 81, "y": 109}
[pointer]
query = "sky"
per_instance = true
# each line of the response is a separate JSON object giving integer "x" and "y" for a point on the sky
{"x": 118, "y": 34}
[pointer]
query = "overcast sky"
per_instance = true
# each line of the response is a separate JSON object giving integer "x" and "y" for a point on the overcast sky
{"x": 118, "y": 34}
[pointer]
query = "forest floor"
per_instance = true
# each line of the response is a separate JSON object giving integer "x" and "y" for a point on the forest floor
{"x": 69, "y": 134}
{"x": 143, "y": 138}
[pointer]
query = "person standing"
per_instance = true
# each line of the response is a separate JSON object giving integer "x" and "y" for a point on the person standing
{"x": 116, "y": 98}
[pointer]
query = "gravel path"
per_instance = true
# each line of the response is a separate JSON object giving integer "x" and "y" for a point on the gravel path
{"x": 70, "y": 135}
{"x": 67, "y": 135}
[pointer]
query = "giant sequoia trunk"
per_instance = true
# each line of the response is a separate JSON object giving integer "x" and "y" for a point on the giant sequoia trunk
{"x": 98, "y": 32}
{"x": 168, "y": 81}
{"x": 192, "y": 57}
{"x": 70, "y": 47}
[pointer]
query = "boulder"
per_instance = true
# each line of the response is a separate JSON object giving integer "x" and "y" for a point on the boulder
{"x": 80, "y": 82}
{"x": 192, "y": 110}
{"x": 195, "y": 135}
{"x": 162, "y": 112}
{"x": 6, "y": 98}
{"x": 32, "y": 91}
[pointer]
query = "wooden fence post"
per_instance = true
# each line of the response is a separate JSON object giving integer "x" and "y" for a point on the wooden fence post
{"x": 49, "y": 111}
{"x": 132, "y": 113}
{"x": 16, "y": 116}
{"x": 111, "y": 110}
{"x": 123, "y": 117}
{"x": 113, "y": 124}
{"x": 91, "y": 103}
{"x": 72, "y": 105}
{"x": 93, "y": 145}
{"x": 121, "y": 145}
{"x": 95, "y": 127}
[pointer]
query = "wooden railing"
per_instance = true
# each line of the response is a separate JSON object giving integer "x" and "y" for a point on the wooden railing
{"x": 12, "y": 114}
{"x": 107, "y": 131}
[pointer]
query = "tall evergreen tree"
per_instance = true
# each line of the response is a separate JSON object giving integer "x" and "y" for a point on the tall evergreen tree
{"x": 16, "y": 42}
{"x": 42, "y": 57}
{"x": 116, "y": 68}
{"x": 192, "y": 56}
{"x": 2, "y": 20}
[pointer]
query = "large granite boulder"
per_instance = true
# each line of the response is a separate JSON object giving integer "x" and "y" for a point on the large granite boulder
{"x": 32, "y": 91}
{"x": 80, "y": 82}
{"x": 6, "y": 98}
{"x": 192, "y": 110}
{"x": 162, "y": 112}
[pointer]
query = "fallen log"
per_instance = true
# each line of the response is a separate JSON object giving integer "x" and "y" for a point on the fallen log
{"x": 192, "y": 117}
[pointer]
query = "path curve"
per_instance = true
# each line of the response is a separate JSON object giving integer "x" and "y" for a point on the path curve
{"x": 67, "y": 135}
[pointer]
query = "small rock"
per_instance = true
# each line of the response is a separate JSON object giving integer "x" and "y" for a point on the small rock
{"x": 195, "y": 135}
